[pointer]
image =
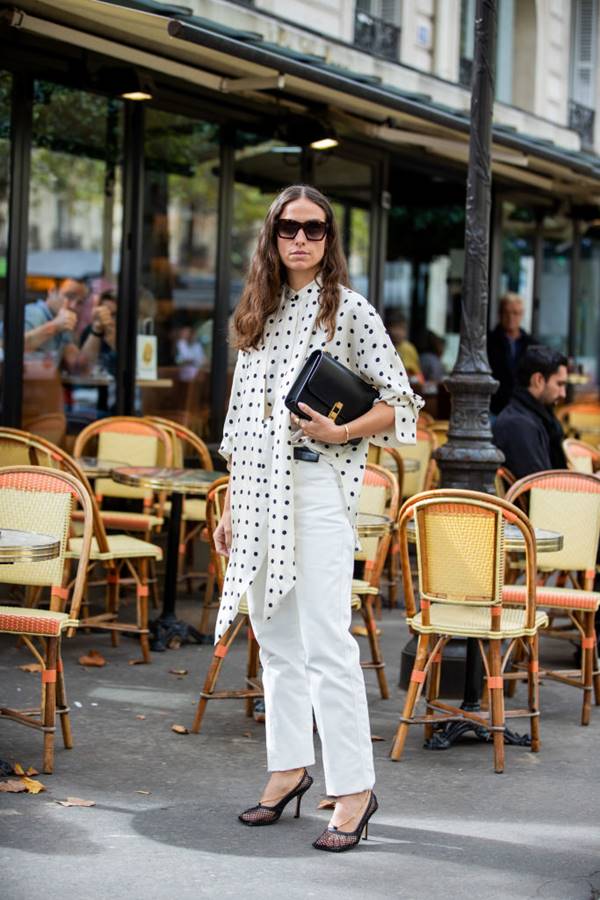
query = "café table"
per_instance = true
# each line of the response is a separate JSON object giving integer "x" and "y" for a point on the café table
{"x": 98, "y": 468}
{"x": 167, "y": 628}
{"x": 26, "y": 546}
{"x": 372, "y": 525}
{"x": 545, "y": 542}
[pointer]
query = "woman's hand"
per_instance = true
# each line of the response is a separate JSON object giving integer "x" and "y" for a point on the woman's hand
{"x": 222, "y": 535}
{"x": 319, "y": 427}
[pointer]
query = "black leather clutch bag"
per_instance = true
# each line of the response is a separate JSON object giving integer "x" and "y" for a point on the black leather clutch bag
{"x": 331, "y": 389}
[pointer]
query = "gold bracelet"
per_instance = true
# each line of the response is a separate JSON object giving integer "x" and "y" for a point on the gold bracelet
{"x": 347, "y": 434}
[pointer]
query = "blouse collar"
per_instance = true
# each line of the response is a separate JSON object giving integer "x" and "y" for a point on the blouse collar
{"x": 306, "y": 293}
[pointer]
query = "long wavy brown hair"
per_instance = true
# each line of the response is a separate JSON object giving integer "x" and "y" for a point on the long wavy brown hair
{"x": 267, "y": 273}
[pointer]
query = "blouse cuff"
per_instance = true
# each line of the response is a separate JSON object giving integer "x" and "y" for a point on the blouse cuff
{"x": 406, "y": 413}
{"x": 226, "y": 448}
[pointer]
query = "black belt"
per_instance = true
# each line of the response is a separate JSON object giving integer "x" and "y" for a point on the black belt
{"x": 306, "y": 454}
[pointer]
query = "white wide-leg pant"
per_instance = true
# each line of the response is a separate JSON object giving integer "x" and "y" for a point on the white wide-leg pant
{"x": 310, "y": 660}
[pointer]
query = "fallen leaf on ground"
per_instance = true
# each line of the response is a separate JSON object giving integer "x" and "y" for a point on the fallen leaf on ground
{"x": 143, "y": 792}
{"x": 137, "y": 662}
{"x": 31, "y": 667}
{"x": 76, "y": 801}
{"x": 178, "y": 671}
{"x": 93, "y": 658}
{"x": 377, "y": 737}
{"x": 13, "y": 786}
{"x": 140, "y": 717}
{"x": 179, "y": 729}
{"x": 31, "y": 771}
{"x": 247, "y": 734}
{"x": 32, "y": 786}
{"x": 326, "y": 803}
{"x": 18, "y": 769}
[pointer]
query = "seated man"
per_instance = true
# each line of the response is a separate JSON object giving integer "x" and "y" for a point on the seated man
{"x": 49, "y": 326}
{"x": 527, "y": 431}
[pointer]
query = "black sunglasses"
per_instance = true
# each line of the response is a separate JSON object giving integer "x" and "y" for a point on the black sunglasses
{"x": 314, "y": 230}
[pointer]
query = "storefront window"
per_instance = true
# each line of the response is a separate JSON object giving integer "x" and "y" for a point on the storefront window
{"x": 179, "y": 245}
{"x": 5, "y": 90}
{"x": 75, "y": 212}
{"x": 588, "y": 309}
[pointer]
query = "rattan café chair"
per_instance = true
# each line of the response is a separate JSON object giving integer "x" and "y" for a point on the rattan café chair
{"x": 42, "y": 500}
{"x": 460, "y": 558}
{"x": 214, "y": 508}
{"x": 569, "y": 503}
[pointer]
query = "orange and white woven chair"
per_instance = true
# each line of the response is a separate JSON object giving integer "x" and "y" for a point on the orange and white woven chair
{"x": 581, "y": 457}
{"x": 569, "y": 503}
{"x": 380, "y": 496}
{"x": 187, "y": 447}
{"x": 460, "y": 555}
{"x": 214, "y": 508}
{"x": 116, "y": 553}
{"x": 42, "y": 500}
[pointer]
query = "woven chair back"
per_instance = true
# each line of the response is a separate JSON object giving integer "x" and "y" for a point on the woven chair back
{"x": 128, "y": 440}
{"x": 185, "y": 444}
{"x": 569, "y": 503}
{"x": 415, "y": 482}
{"x": 379, "y": 496}
{"x": 460, "y": 551}
{"x": 42, "y": 500}
{"x": 215, "y": 503}
{"x": 581, "y": 457}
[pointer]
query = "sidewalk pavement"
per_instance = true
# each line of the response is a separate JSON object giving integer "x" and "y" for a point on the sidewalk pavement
{"x": 165, "y": 826}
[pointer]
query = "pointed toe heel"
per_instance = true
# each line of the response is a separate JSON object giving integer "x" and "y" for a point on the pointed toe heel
{"x": 268, "y": 815}
{"x": 332, "y": 840}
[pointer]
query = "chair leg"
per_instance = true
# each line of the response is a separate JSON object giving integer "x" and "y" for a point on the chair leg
{"x": 220, "y": 652}
{"x": 366, "y": 609}
{"x": 517, "y": 657}
{"x": 49, "y": 704}
{"x": 433, "y": 687}
{"x": 142, "y": 610}
{"x": 588, "y": 654}
{"x": 496, "y": 690}
{"x": 208, "y": 596}
{"x": 112, "y": 599}
{"x": 393, "y": 577}
{"x": 533, "y": 685}
{"x": 414, "y": 689}
{"x": 61, "y": 703}
{"x": 252, "y": 668}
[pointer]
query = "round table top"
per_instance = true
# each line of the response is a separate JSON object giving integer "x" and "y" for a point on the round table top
{"x": 98, "y": 468}
{"x": 514, "y": 542}
{"x": 27, "y": 546}
{"x": 175, "y": 481}
{"x": 372, "y": 525}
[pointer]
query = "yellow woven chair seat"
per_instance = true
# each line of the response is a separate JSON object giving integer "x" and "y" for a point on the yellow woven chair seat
{"x": 359, "y": 586}
{"x": 463, "y": 621}
{"x": 194, "y": 509}
{"x": 120, "y": 546}
{"x": 42, "y": 622}
{"x": 554, "y": 597}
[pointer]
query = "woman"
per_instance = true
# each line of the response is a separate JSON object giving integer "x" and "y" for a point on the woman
{"x": 289, "y": 515}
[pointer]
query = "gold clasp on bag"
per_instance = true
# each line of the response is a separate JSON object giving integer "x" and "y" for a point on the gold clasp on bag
{"x": 335, "y": 410}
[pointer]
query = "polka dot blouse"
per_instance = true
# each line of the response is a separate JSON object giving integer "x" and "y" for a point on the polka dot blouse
{"x": 258, "y": 434}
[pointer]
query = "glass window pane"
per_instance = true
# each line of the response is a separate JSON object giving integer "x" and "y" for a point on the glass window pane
{"x": 178, "y": 267}
{"x": 75, "y": 213}
{"x": 5, "y": 91}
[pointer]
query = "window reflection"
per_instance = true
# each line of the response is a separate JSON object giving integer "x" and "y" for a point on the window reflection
{"x": 75, "y": 216}
{"x": 5, "y": 90}
{"x": 177, "y": 299}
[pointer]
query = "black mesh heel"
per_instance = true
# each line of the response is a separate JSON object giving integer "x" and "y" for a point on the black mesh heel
{"x": 335, "y": 841}
{"x": 268, "y": 815}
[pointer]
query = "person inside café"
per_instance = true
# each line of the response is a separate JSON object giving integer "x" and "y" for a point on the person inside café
{"x": 506, "y": 344}
{"x": 527, "y": 431}
{"x": 397, "y": 327}
{"x": 103, "y": 328}
{"x": 50, "y": 325}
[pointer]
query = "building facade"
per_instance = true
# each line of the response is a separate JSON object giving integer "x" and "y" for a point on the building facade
{"x": 159, "y": 199}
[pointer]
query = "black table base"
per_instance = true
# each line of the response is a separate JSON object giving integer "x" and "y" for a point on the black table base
{"x": 445, "y": 736}
{"x": 169, "y": 632}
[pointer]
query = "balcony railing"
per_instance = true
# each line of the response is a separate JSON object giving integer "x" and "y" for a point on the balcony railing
{"x": 581, "y": 120}
{"x": 376, "y": 36}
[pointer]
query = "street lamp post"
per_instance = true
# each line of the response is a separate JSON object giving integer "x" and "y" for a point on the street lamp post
{"x": 469, "y": 459}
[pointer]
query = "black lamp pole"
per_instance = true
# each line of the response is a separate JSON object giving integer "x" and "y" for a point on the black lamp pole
{"x": 469, "y": 459}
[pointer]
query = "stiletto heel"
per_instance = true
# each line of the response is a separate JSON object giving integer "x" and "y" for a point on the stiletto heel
{"x": 335, "y": 841}
{"x": 268, "y": 815}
